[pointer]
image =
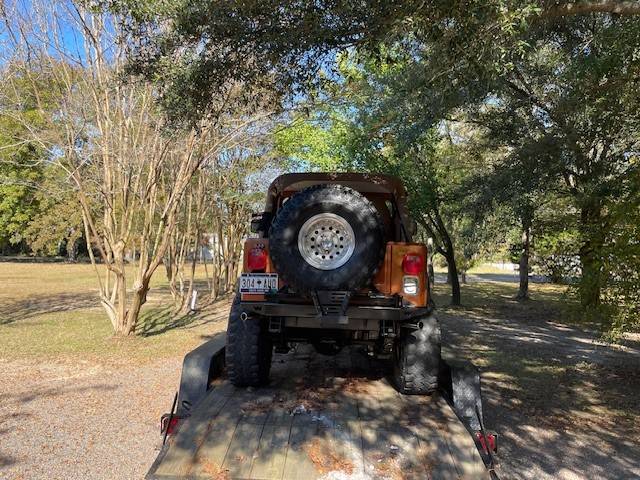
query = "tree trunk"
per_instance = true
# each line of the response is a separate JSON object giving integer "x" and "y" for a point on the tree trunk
{"x": 139, "y": 298}
{"x": 434, "y": 224}
{"x": 523, "y": 290}
{"x": 591, "y": 255}
{"x": 452, "y": 268}
{"x": 452, "y": 275}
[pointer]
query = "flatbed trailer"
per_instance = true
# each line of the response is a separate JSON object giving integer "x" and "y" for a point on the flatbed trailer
{"x": 330, "y": 417}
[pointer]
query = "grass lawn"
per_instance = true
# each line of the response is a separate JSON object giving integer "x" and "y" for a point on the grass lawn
{"x": 52, "y": 310}
{"x": 548, "y": 301}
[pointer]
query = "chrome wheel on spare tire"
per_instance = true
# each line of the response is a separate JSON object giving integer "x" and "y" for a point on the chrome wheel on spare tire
{"x": 326, "y": 241}
{"x": 327, "y": 237}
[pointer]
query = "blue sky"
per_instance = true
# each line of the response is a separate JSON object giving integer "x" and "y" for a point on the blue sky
{"x": 48, "y": 23}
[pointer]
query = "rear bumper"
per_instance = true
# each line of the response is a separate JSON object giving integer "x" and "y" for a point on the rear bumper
{"x": 360, "y": 312}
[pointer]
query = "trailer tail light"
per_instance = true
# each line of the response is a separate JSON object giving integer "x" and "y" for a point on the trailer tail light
{"x": 257, "y": 260}
{"x": 412, "y": 264}
{"x": 488, "y": 442}
{"x": 169, "y": 424}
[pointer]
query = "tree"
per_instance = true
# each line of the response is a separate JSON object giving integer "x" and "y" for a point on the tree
{"x": 213, "y": 218}
{"x": 195, "y": 49}
{"x": 565, "y": 125}
{"x": 622, "y": 262}
{"x": 128, "y": 173}
{"x": 18, "y": 202}
{"x": 21, "y": 161}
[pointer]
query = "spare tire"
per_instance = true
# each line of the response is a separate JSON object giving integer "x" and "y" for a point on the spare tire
{"x": 327, "y": 237}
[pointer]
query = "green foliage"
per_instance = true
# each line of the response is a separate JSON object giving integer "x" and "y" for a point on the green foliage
{"x": 19, "y": 176}
{"x": 555, "y": 255}
{"x": 59, "y": 218}
{"x": 313, "y": 144}
{"x": 622, "y": 263}
{"x": 197, "y": 49}
{"x": 21, "y": 164}
{"x": 29, "y": 202}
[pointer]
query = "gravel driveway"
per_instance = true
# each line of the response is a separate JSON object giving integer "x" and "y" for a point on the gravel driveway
{"x": 566, "y": 405}
{"x": 82, "y": 420}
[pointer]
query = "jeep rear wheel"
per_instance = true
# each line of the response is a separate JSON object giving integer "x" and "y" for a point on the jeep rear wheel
{"x": 249, "y": 348}
{"x": 417, "y": 357}
{"x": 327, "y": 237}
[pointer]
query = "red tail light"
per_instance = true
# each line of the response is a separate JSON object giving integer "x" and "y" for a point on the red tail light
{"x": 169, "y": 424}
{"x": 257, "y": 259}
{"x": 412, "y": 264}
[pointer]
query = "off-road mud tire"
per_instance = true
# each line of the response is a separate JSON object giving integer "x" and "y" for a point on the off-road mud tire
{"x": 249, "y": 348}
{"x": 358, "y": 211}
{"x": 417, "y": 357}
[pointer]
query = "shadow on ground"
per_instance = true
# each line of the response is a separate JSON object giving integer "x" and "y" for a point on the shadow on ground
{"x": 42, "y": 304}
{"x": 158, "y": 320}
{"x": 566, "y": 404}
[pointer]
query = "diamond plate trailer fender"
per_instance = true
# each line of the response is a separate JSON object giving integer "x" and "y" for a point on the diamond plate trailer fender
{"x": 460, "y": 381}
{"x": 199, "y": 368}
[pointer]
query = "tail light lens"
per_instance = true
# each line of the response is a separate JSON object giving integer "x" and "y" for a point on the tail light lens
{"x": 410, "y": 285}
{"x": 257, "y": 259}
{"x": 412, "y": 264}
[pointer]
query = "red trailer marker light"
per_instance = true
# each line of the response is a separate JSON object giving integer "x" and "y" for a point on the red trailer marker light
{"x": 169, "y": 424}
{"x": 488, "y": 442}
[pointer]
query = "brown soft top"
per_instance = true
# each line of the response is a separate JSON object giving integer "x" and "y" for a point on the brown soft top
{"x": 361, "y": 182}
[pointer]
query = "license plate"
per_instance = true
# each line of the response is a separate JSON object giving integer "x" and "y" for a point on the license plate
{"x": 258, "y": 282}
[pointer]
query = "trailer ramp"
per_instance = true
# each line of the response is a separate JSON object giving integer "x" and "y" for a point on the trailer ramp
{"x": 321, "y": 417}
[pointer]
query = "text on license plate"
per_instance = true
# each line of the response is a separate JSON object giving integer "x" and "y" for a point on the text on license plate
{"x": 258, "y": 282}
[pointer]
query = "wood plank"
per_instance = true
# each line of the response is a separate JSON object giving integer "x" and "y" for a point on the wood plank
{"x": 242, "y": 450}
{"x": 270, "y": 457}
{"x": 250, "y": 434}
{"x": 427, "y": 420}
{"x": 298, "y": 465}
{"x": 210, "y": 456}
{"x": 463, "y": 450}
{"x": 180, "y": 456}
{"x": 434, "y": 451}
{"x": 255, "y": 407}
{"x": 381, "y": 408}
{"x": 355, "y": 432}
{"x": 279, "y": 415}
{"x": 341, "y": 409}
{"x": 344, "y": 445}
{"x": 392, "y": 454}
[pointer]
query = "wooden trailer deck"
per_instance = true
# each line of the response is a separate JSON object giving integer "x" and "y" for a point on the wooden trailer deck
{"x": 321, "y": 417}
